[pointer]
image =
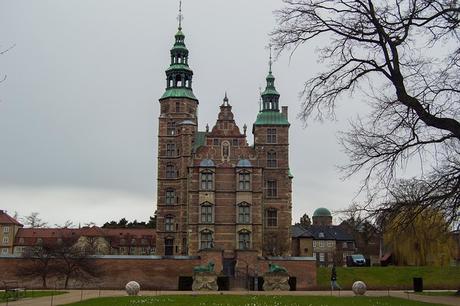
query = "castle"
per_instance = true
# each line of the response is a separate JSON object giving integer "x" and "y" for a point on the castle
{"x": 215, "y": 191}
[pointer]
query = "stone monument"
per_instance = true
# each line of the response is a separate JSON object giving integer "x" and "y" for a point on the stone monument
{"x": 204, "y": 278}
{"x": 276, "y": 279}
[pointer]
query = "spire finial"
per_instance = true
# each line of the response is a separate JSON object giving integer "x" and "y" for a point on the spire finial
{"x": 270, "y": 61}
{"x": 180, "y": 17}
{"x": 226, "y": 99}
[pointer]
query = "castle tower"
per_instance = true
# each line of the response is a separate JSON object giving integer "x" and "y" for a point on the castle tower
{"x": 271, "y": 142}
{"x": 177, "y": 129}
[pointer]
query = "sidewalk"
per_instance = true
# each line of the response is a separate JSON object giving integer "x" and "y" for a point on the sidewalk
{"x": 78, "y": 295}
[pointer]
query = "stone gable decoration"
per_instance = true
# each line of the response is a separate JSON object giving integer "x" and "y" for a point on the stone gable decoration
{"x": 276, "y": 279}
{"x": 204, "y": 278}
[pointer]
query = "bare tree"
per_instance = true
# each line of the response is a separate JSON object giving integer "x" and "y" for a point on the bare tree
{"x": 404, "y": 56}
{"x": 41, "y": 258}
{"x": 67, "y": 224}
{"x": 34, "y": 221}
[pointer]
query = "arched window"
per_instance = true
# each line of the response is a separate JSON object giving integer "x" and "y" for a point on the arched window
{"x": 207, "y": 180}
{"x": 244, "y": 213}
{"x": 271, "y": 217}
{"x": 206, "y": 240}
{"x": 271, "y": 159}
{"x": 244, "y": 181}
{"x": 169, "y": 223}
{"x": 244, "y": 240}
{"x": 171, "y": 171}
{"x": 171, "y": 198}
{"x": 206, "y": 213}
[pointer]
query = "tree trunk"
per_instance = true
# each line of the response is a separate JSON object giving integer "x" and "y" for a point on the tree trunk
{"x": 66, "y": 281}
{"x": 44, "y": 281}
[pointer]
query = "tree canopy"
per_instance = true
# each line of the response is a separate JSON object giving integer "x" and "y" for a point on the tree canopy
{"x": 404, "y": 57}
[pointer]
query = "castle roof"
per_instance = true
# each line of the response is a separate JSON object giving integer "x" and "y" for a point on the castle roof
{"x": 7, "y": 219}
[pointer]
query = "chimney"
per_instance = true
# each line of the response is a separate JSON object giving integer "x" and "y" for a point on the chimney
{"x": 284, "y": 110}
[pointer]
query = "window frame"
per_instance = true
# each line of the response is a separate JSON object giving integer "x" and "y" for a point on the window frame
{"x": 170, "y": 196}
{"x": 271, "y": 221}
{"x": 206, "y": 213}
{"x": 242, "y": 243}
{"x": 271, "y": 135}
{"x": 209, "y": 243}
{"x": 244, "y": 181}
{"x": 271, "y": 188}
{"x": 171, "y": 150}
{"x": 171, "y": 171}
{"x": 169, "y": 223}
{"x": 171, "y": 128}
{"x": 244, "y": 213}
{"x": 272, "y": 161}
{"x": 206, "y": 180}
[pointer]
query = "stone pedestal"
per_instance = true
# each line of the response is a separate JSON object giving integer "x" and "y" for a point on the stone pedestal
{"x": 204, "y": 281}
{"x": 276, "y": 281}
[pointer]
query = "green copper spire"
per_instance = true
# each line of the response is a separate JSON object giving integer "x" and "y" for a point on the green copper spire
{"x": 179, "y": 75}
{"x": 270, "y": 96}
{"x": 270, "y": 113}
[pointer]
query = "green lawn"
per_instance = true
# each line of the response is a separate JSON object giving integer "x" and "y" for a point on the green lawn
{"x": 392, "y": 277}
{"x": 32, "y": 294}
{"x": 234, "y": 300}
{"x": 439, "y": 293}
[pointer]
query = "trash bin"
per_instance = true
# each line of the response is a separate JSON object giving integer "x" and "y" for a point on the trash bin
{"x": 418, "y": 284}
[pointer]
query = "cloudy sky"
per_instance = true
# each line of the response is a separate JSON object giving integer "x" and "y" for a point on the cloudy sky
{"x": 79, "y": 106}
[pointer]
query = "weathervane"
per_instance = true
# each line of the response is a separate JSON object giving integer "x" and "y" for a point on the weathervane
{"x": 180, "y": 17}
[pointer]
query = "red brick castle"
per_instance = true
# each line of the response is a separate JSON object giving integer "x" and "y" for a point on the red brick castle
{"x": 215, "y": 191}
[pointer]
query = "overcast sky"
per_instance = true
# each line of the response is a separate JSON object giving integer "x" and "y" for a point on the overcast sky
{"x": 79, "y": 108}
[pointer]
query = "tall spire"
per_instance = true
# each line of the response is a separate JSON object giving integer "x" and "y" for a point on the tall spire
{"x": 179, "y": 75}
{"x": 270, "y": 97}
{"x": 180, "y": 17}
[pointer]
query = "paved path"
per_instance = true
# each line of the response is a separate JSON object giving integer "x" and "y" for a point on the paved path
{"x": 77, "y": 295}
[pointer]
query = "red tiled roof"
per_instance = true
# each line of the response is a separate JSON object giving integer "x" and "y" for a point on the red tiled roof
{"x": 7, "y": 219}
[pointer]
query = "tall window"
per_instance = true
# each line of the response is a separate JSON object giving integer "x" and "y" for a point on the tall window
{"x": 177, "y": 107}
{"x": 206, "y": 180}
{"x": 169, "y": 224}
{"x": 272, "y": 188}
{"x": 170, "y": 149}
{"x": 171, "y": 128}
{"x": 272, "y": 217}
{"x": 6, "y": 229}
{"x": 171, "y": 171}
{"x": 206, "y": 240}
{"x": 244, "y": 214}
{"x": 206, "y": 213}
{"x": 271, "y": 159}
{"x": 244, "y": 179}
{"x": 170, "y": 197}
{"x": 169, "y": 246}
{"x": 244, "y": 240}
{"x": 271, "y": 135}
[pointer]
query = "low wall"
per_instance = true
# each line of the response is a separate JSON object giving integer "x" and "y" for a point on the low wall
{"x": 157, "y": 272}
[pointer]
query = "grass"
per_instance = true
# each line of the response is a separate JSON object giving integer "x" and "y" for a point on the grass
{"x": 392, "y": 277}
{"x": 235, "y": 300}
{"x": 31, "y": 294}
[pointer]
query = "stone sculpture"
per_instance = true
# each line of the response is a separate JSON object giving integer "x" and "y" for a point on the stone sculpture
{"x": 276, "y": 279}
{"x": 359, "y": 288}
{"x": 132, "y": 288}
{"x": 204, "y": 278}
